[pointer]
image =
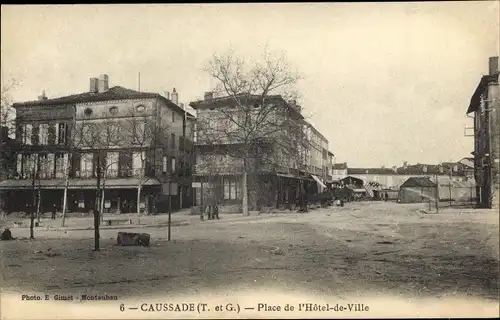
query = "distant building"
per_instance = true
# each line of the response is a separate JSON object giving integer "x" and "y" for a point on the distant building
{"x": 393, "y": 178}
{"x": 339, "y": 171}
{"x": 485, "y": 107}
{"x": 416, "y": 190}
{"x": 70, "y": 132}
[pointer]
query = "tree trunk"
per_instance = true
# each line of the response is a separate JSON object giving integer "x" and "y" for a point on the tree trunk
{"x": 97, "y": 206}
{"x": 102, "y": 204}
{"x": 32, "y": 224}
{"x": 102, "y": 198}
{"x": 32, "y": 210}
{"x": 244, "y": 191}
{"x": 38, "y": 205}
{"x": 65, "y": 202}
{"x": 66, "y": 187}
{"x": 139, "y": 187}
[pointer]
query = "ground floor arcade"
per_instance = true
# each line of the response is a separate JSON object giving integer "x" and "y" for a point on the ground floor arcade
{"x": 264, "y": 191}
{"x": 118, "y": 198}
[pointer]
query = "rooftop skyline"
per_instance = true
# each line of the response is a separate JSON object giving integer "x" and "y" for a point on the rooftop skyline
{"x": 383, "y": 82}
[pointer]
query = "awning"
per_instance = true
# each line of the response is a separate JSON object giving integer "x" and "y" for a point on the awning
{"x": 76, "y": 183}
{"x": 318, "y": 180}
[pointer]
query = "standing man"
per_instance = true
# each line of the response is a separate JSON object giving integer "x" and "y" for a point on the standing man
{"x": 54, "y": 210}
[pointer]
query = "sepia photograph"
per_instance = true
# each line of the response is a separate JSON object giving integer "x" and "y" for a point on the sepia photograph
{"x": 250, "y": 160}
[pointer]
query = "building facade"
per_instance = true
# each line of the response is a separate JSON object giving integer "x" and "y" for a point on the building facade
{"x": 485, "y": 107}
{"x": 279, "y": 163}
{"x": 317, "y": 159}
{"x": 125, "y": 139}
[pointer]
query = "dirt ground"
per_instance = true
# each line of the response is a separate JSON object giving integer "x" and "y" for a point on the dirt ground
{"x": 379, "y": 248}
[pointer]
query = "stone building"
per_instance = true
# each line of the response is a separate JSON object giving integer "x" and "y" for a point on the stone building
{"x": 132, "y": 140}
{"x": 485, "y": 107}
{"x": 281, "y": 167}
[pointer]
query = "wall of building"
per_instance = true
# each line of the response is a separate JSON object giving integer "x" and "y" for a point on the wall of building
{"x": 494, "y": 105}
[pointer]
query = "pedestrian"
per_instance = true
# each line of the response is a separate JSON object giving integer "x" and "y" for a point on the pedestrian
{"x": 386, "y": 197}
{"x": 54, "y": 210}
{"x": 216, "y": 211}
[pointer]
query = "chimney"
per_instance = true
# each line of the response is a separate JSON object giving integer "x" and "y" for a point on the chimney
{"x": 209, "y": 95}
{"x": 405, "y": 165}
{"x": 103, "y": 83}
{"x": 166, "y": 94}
{"x": 175, "y": 97}
{"x": 94, "y": 85}
{"x": 493, "y": 63}
{"x": 43, "y": 96}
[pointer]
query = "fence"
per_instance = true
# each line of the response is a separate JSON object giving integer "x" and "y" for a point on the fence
{"x": 456, "y": 194}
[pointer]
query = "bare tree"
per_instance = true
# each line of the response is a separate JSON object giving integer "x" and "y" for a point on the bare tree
{"x": 74, "y": 141}
{"x": 146, "y": 133}
{"x": 255, "y": 121}
{"x": 30, "y": 170}
{"x": 7, "y": 113}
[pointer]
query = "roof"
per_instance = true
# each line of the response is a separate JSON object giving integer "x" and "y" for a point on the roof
{"x": 114, "y": 93}
{"x": 75, "y": 183}
{"x": 230, "y": 100}
{"x": 339, "y": 166}
{"x": 370, "y": 171}
{"x": 352, "y": 178}
{"x": 475, "y": 100}
{"x": 418, "y": 182}
{"x": 417, "y": 169}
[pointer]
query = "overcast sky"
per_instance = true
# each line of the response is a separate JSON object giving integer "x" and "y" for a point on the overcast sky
{"x": 384, "y": 82}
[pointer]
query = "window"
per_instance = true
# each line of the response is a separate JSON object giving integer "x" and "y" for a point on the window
{"x": 86, "y": 165}
{"x": 230, "y": 189}
{"x": 113, "y": 110}
{"x": 173, "y": 116}
{"x": 173, "y": 164}
{"x": 139, "y": 134}
{"x": 43, "y": 134}
{"x": 165, "y": 164}
{"x": 173, "y": 140}
{"x": 137, "y": 162}
{"x": 61, "y": 160}
{"x": 30, "y": 165}
{"x": 27, "y": 133}
{"x": 42, "y": 163}
{"x": 112, "y": 164}
{"x": 87, "y": 112}
{"x": 19, "y": 167}
{"x": 60, "y": 133}
{"x": 140, "y": 108}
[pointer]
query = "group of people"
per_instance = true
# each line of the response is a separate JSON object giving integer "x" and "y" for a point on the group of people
{"x": 29, "y": 209}
{"x": 211, "y": 211}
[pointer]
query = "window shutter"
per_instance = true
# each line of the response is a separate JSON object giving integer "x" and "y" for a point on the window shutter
{"x": 56, "y": 136}
{"x": 35, "y": 134}
{"x": 76, "y": 164}
{"x": 19, "y": 133}
{"x": 52, "y": 134}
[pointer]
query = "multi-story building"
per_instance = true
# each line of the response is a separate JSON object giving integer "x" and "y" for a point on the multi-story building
{"x": 316, "y": 154}
{"x": 128, "y": 139}
{"x": 331, "y": 163}
{"x": 279, "y": 165}
{"x": 485, "y": 106}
